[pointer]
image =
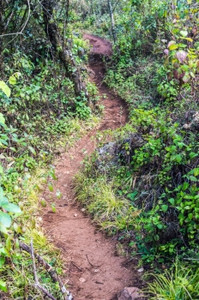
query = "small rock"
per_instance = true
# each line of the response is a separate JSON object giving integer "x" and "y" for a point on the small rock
{"x": 82, "y": 280}
{"x": 141, "y": 270}
{"x": 129, "y": 293}
{"x": 75, "y": 215}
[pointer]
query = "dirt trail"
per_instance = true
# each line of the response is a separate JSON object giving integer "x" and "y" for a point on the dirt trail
{"x": 93, "y": 270}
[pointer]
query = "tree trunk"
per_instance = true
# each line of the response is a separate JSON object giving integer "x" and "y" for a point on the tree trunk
{"x": 60, "y": 47}
{"x": 112, "y": 20}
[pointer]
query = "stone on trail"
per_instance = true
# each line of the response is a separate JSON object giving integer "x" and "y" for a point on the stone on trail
{"x": 130, "y": 293}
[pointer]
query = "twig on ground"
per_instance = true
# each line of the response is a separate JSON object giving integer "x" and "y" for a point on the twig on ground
{"x": 66, "y": 294}
{"x": 91, "y": 263}
{"x": 76, "y": 266}
{"x": 37, "y": 284}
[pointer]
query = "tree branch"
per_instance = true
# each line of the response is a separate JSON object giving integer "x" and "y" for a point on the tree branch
{"x": 37, "y": 284}
{"x": 66, "y": 294}
{"x": 23, "y": 27}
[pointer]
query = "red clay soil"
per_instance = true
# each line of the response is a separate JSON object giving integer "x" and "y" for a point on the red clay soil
{"x": 92, "y": 270}
{"x": 100, "y": 46}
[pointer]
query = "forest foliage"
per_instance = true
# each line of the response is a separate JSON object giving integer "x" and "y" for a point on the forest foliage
{"x": 151, "y": 200}
{"x": 153, "y": 188}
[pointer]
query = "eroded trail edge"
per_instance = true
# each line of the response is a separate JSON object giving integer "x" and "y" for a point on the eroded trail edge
{"x": 93, "y": 270}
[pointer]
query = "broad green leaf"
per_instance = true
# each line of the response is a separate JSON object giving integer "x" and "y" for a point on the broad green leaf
{"x": 5, "y": 219}
{"x": 50, "y": 187}
{"x": 173, "y": 47}
{"x": 172, "y": 201}
{"x": 2, "y": 119}
{"x": 32, "y": 150}
{"x": 196, "y": 171}
{"x": 3, "y": 286}
{"x": 3, "y": 201}
{"x": 2, "y": 261}
{"x": 3, "y": 228}
{"x": 171, "y": 43}
{"x": 53, "y": 208}
{"x": 189, "y": 39}
{"x": 184, "y": 33}
{"x": 12, "y": 80}
{"x": 193, "y": 178}
{"x": 3, "y": 251}
{"x": 160, "y": 226}
{"x": 1, "y": 192}
{"x": 164, "y": 208}
{"x": 5, "y": 88}
{"x": 10, "y": 207}
{"x": 8, "y": 243}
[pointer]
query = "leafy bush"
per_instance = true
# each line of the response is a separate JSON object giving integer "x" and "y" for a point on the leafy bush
{"x": 39, "y": 115}
{"x": 155, "y": 69}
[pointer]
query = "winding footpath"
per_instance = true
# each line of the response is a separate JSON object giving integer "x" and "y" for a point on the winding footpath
{"x": 92, "y": 270}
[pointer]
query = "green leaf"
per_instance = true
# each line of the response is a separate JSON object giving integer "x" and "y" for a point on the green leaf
{"x": 43, "y": 202}
{"x": 10, "y": 207}
{"x": 164, "y": 208}
{"x": 1, "y": 192}
{"x": 3, "y": 286}
{"x": 172, "y": 201}
{"x": 50, "y": 187}
{"x": 32, "y": 150}
{"x": 3, "y": 201}
{"x": 196, "y": 171}
{"x": 173, "y": 47}
{"x": 5, "y": 88}
{"x": 132, "y": 196}
{"x": 12, "y": 80}
{"x": 5, "y": 219}
{"x": 184, "y": 33}
{"x": 8, "y": 244}
{"x": 188, "y": 39}
{"x": 3, "y": 228}
{"x": 2, "y": 119}
{"x": 160, "y": 226}
{"x": 53, "y": 208}
{"x": 2, "y": 261}
{"x": 193, "y": 178}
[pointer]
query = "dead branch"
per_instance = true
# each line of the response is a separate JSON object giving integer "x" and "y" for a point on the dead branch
{"x": 37, "y": 284}
{"x": 67, "y": 295}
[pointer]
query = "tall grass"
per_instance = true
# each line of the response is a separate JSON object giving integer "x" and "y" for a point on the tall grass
{"x": 180, "y": 283}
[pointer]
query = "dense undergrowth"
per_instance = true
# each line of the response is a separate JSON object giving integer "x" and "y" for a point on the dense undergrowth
{"x": 143, "y": 187}
{"x": 28, "y": 146}
{"x": 41, "y": 115}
